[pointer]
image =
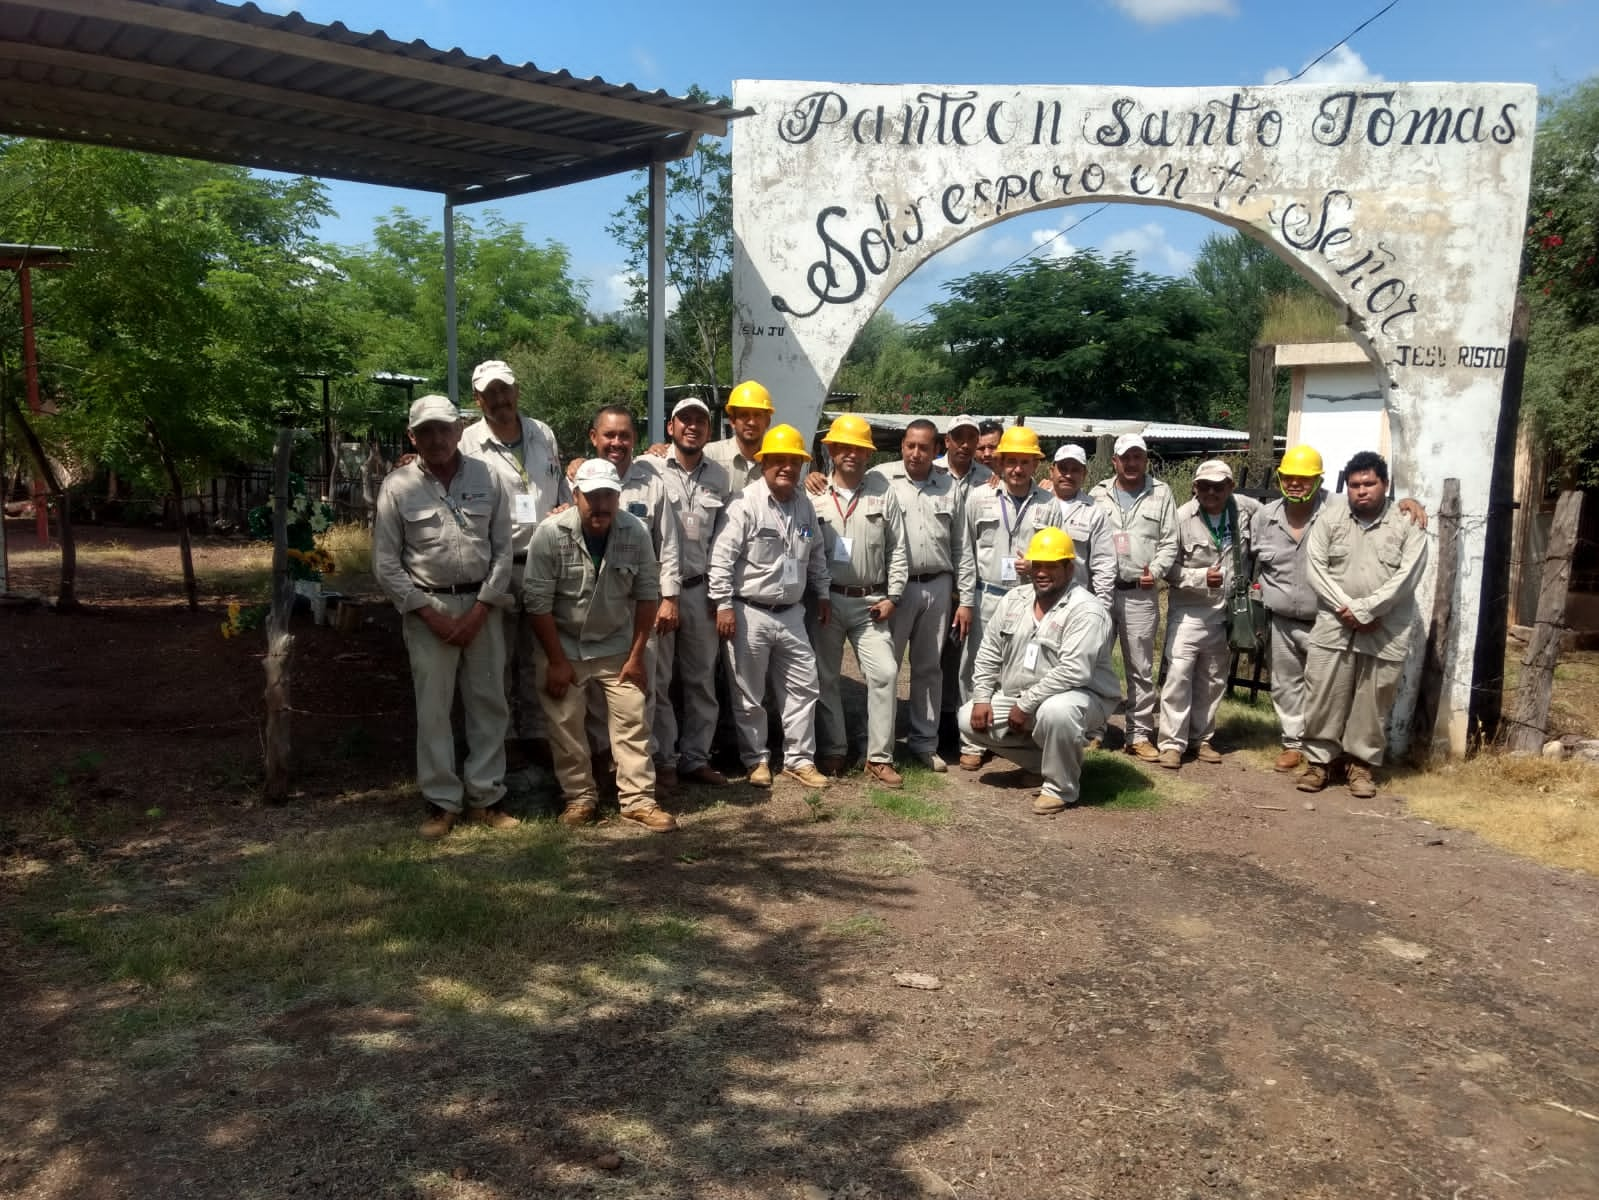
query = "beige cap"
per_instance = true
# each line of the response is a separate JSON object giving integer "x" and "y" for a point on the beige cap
{"x": 432, "y": 408}
{"x": 597, "y": 475}
{"x": 1213, "y": 470}
{"x": 486, "y": 373}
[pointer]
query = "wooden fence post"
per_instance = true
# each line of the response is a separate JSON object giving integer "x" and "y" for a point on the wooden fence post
{"x": 280, "y": 642}
{"x": 1430, "y": 739}
{"x": 1529, "y": 723}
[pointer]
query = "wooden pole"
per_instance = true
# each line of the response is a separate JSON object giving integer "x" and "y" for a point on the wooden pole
{"x": 279, "y": 641}
{"x": 1262, "y": 414}
{"x": 1528, "y": 723}
{"x": 1429, "y": 709}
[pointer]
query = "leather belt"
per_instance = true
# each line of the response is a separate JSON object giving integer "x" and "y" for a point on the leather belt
{"x": 1123, "y": 585}
{"x": 928, "y": 576}
{"x": 855, "y": 593}
{"x": 519, "y": 559}
{"x": 454, "y": 589}
{"x": 693, "y": 581}
{"x": 771, "y": 608}
{"x": 994, "y": 589}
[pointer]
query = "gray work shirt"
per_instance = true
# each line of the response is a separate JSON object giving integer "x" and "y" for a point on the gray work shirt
{"x": 760, "y": 535}
{"x": 998, "y": 528}
{"x": 1370, "y": 570}
{"x": 594, "y": 610}
{"x": 700, "y": 497}
{"x": 977, "y": 476}
{"x": 1198, "y": 550}
{"x": 1096, "y": 557}
{"x": 864, "y": 537}
{"x": 1149, "y": 522}
{"x": 934, "y": 511}
{"x": 532, "y": 469}
{"x": 1073, "y": 641}
{"x": 1282, "y": 561}
{"x": 645, "y": 496}
{"x": 741, "y": 471}
{"x": 425, "y": 535}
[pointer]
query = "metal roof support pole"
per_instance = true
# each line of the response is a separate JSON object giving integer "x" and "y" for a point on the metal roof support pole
{"x": 449, "y": 301}
{"x": 657, "y": 304}
{"x": 30, "y": 359}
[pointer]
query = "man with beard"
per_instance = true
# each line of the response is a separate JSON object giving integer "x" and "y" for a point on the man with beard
{"x": 1365, "y": 563}
{"x": 768, "y": 556}
{"x": 523, "y": 454}
{"x": 1096, "y": 563}
{"x": 999, "y": 523}
{"x": 749, "y": 411}
{"x": 441, "y": 550}
{"x": 593, "y": 588}
{"x": 1043, "y": 673}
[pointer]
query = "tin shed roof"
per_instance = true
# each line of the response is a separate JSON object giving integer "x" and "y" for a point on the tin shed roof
{"x": 234, "y": 84}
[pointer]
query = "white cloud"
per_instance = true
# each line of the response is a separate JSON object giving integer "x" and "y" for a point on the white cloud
{"x": 613, "y": 292}
{"x": 649, "y": 69}
{"x": 1159, "y": 12}
{"x": 1150, "y": 249}
{"x": 1343, "y": 65}
{"x": 1056, "y": 245}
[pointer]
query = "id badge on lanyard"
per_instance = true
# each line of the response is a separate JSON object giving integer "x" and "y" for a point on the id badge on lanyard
{"x": 791, "y": 573}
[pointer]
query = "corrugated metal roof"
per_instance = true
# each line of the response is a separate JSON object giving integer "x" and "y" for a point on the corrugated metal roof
{"x": 1070, "y": 427}
{"x": 234, "y": 84}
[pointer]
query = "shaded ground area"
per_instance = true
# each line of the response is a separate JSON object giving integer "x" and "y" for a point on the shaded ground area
{"x": 1224, "y": 993}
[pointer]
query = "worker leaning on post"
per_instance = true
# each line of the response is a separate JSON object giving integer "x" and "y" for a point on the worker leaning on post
{"x": 768, "y": 556}
{"x": 1000, "y": 522}
{"x": 1043, "y": 674}
{"x": 441, "y": 551}
{"x": 863, "y": 536}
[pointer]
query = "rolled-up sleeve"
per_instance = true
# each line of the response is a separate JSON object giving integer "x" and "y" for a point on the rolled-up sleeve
{"x": 543, "y": 565}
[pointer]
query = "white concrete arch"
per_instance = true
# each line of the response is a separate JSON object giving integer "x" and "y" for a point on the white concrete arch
{"x": 1405, "y": 203}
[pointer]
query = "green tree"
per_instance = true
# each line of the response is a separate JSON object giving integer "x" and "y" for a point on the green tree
{"x": 1082, "y": 336}
{"x": 569, "y": 374}
{"x": 698, "y": 252}
{"x": 890, "y": 369}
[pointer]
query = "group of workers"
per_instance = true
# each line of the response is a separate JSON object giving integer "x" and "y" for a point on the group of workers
{"x": 619, "y": 608}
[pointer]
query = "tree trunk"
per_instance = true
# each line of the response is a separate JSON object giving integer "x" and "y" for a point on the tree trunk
{"x": 280, "y": 643}
{"x": 191, "y": 586}
{"x": 1529, "y": 722}
{"x": 67, "y": 597}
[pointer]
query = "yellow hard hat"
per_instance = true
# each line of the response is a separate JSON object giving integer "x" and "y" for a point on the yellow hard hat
{"x": 782, "y": 439}
{"x": 750, "y": 394}
{"x": 1300, "y": 460}
{"x": 1019, "y": 439}
{"x": 851, "y": 430}
{"x": 1051, "y": 545}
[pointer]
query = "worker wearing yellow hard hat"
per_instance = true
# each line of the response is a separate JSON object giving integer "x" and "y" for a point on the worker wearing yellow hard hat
{"x": 863, "y": 530}
{"x": 999, "y": 524}
{"x": 1043, "y": 673}
{"x": 766, "y": 560}
{"x": 749, "y": 411}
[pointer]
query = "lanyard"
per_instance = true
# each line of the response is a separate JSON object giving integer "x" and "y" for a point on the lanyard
{"x": 448, "y": 500}
{"x": 691, "y": 480}
{"x": 1010, "y": 528}
{"x": 843, "y": 513}
{"x": 1218, "y": 533}
{"x": 514, "y": 459}
{"x": 785, "y": 521}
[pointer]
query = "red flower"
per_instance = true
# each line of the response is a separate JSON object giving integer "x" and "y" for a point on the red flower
{"x": 1553, "y": 240}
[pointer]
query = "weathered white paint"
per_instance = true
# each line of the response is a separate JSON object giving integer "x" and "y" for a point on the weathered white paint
{"x": 1338, "y": 408}
{"x": 1403, "y": 202}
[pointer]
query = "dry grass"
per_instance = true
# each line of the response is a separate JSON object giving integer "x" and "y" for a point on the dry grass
{"x": 1302, "y": 317}
{"x": 1548, "y": 811}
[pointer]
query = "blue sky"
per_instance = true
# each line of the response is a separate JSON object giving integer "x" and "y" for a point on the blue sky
{"x": 1154, "y": 43}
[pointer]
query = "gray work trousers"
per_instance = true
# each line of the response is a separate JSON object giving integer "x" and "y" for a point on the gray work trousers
{"x": 920, "y": 625}
{"x": 987, "y": 606}
{"x": 1136, "y": 612}
{"x": 1351, "y": 696}
{"x": 689, "y": 655}
{"x": 773, "y": 642}
{"x": 479, "y": 670}
{"x": 1053, "y": 747}
{"x": 1197, "y": 659}
{"x": 1290, "y": 645}
{"x": 873, "y": 642}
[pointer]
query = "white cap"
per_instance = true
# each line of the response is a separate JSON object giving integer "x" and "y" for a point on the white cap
{"x": 1071, "y": 452}
{"x": 961, "y": 422}
{"x": 432, "y": 408}
{"x": 597, "y": 475}
{"x": 1129, "y": 441}
{"x": 1213, "y": 470}
{"x": 486, "y": 373}
{"x": 690, "y": 402}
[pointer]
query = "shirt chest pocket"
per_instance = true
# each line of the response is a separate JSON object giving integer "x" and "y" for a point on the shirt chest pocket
{"x": 1391, "y": 553}
{"x": 987, "y": 527}
{"x": 423, "y": 526}
{"x": 766, "y": 547}
{"x": 477, "y": 514}
{"x": 573, "y": 572}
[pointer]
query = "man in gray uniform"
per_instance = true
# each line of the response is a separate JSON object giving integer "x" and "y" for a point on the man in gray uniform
{"x": 999, "y": 523}
{"x": 1143, "y": 531}
{"x": 1365, "y": 563}
{"x": 931, "y": 503}
{"x": 863, "y": 534}
{"x": 959, "y": 461}
{"x": 523, "y": 454}
{"x": 593, "y": 587}
{"x": 441, "y": 551}
{"x": 699, "y": 492}
{"x": 1043, "y": 673}
{"x": 765, "y": 560}
{"x": 749, "y": 411}
{"x": 1081, "y": 517}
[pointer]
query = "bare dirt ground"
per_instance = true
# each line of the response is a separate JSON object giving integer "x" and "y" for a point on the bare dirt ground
{"x": 1229, "y": 994}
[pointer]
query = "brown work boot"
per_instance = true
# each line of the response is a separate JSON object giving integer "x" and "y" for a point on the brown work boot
{"x": 1289, "y": 761}
{"x": 707, "y": 775}
{"x": 830, "y": 764}
{"x": 1093, "y": 744}
{"x": 1144, "y": 751}
{"x": 1206, "y": 753}
{"x": 653, "y": 818}
{"x": 493, "y": 816}
{"x": 1361, "y": 785}
{"x": 577, "y": 813}
{"x": 971, "y": 762}
{"x": 1046, "y": 805}
{"x": 884, "y": 773}
{"x": 807, "y": 774}
{"x": 1170, "y": 759}
{"x": 439, "y": 822}
{"x": 761, "y": 775}
{"x": 665, "y": 778}
{"x": 1313, "y": 779}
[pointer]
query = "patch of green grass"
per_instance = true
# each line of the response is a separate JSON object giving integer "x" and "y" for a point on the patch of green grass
{"x": 908, "y": 806}
{"x": 856, "y": 928}
{"x": 1241, "y": 725}
{"x": 1111, "y": 781}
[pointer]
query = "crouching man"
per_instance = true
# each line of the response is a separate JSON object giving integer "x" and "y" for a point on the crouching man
{"x": 1042, "y": 676}
{"x": 593, "y": 588}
